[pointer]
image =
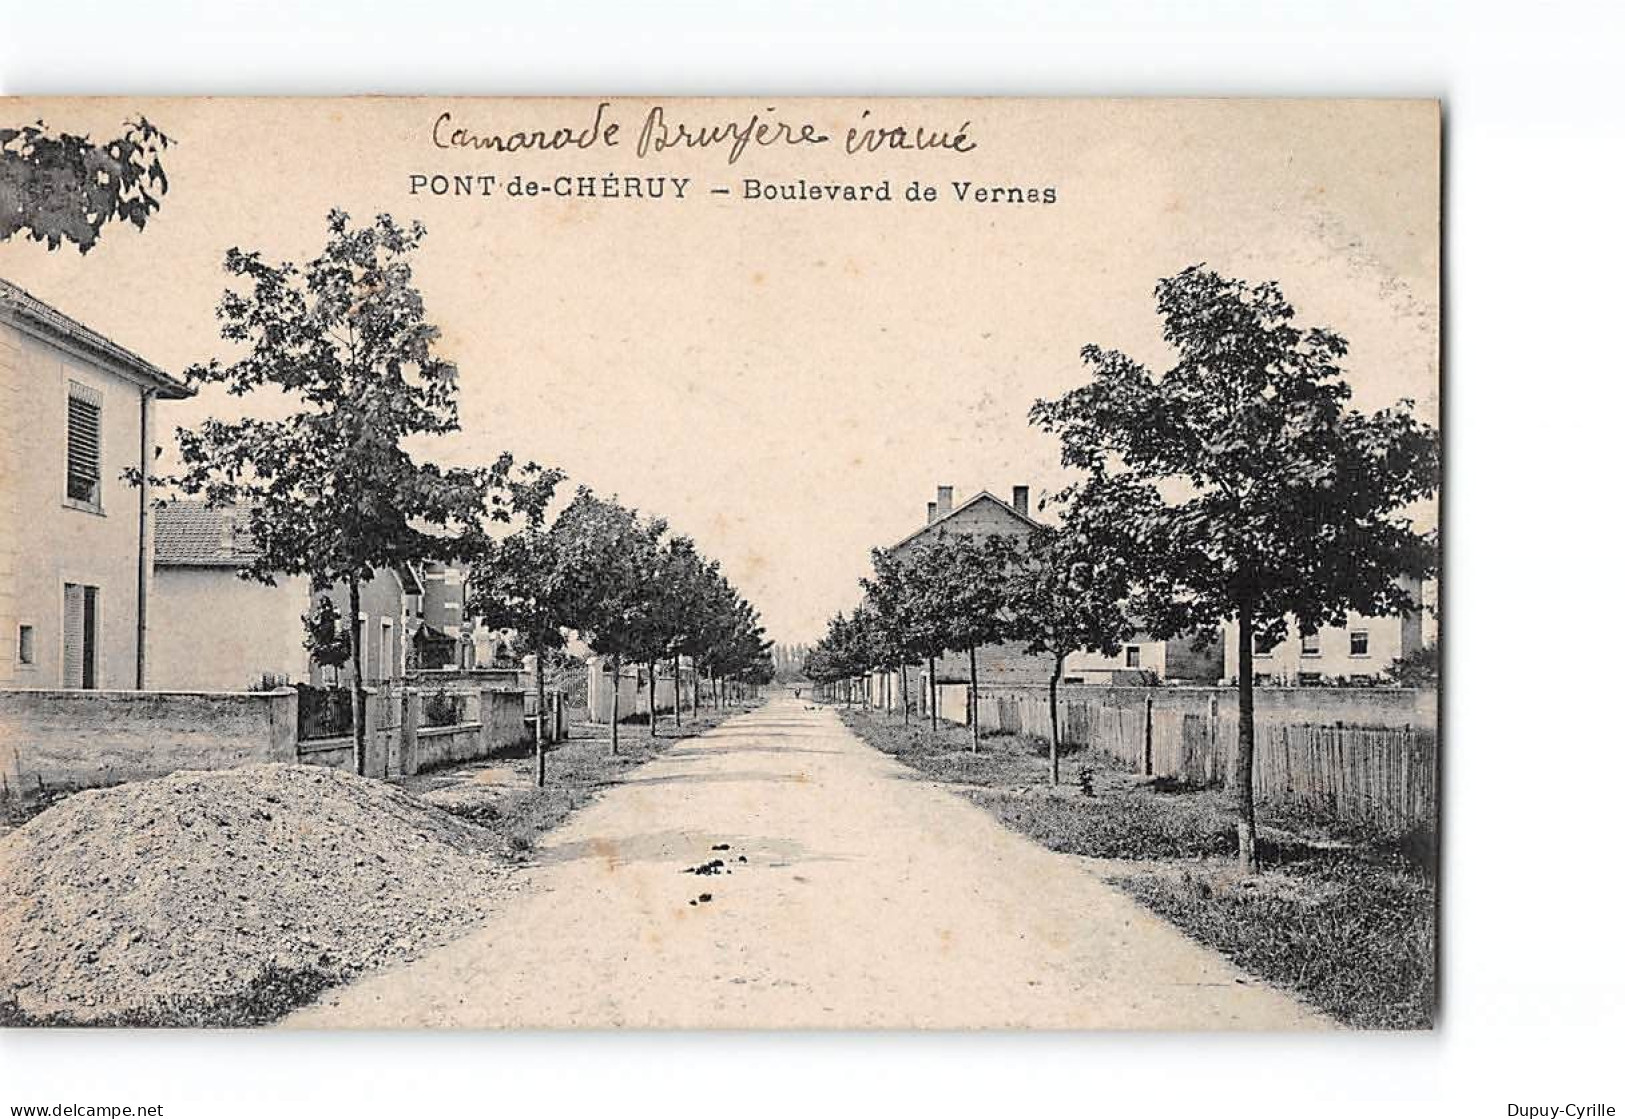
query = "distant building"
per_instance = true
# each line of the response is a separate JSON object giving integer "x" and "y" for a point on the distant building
{"x": 981, "y": 517}
{"x": 212, "y": 630}
{"x": 75, "y": 548}
{"x": 1358, "y": 651}
{"x": 1143, "y": 660}
{"x": 447, "y": 635}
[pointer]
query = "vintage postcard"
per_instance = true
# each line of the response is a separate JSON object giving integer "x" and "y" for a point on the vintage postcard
{"x": 748, "y": 563}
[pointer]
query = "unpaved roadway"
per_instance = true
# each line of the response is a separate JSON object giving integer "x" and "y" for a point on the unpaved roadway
{"x": 867, "y": 899}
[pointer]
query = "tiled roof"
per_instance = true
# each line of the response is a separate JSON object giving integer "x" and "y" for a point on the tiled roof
{"x": 190, "y": 534}
{"x": 41, "y": 317}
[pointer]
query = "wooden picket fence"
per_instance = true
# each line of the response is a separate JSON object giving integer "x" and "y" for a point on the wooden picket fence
{"x": 1383, "y": 777}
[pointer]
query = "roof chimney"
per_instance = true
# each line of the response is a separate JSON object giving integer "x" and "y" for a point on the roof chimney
{"x": 930, "y": 512}
{"x": 945, "y": 501}
{"x": 1018, "y": 498}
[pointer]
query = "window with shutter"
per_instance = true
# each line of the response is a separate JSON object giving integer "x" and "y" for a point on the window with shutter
{"x": 84, "y": 444}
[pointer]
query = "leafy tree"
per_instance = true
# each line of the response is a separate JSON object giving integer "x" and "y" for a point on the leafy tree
{"x": 327, "y": 640}
{"x": 710, "y": 602}
{"x": 828, "y": 663}
{"x": 607, "y": 557}
{"x": 969, "y": 604}
{"x": 56, "y": 187}
{"x": 1279, "y": 498}
{"x": 1069, "y": 592}
{"x": 895, "y": 597}
{"x": 740, "y": 650}
{"x": 929, "y": 573}
{"x": 515, "y": 583}
{"x": 330, "y": 489}
{"x": 682, "y": 590}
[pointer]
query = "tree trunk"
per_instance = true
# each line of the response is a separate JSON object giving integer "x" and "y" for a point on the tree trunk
{"x": 541, "y": 715}
{"x": 975, "y": 707}
{"x": 677, "y": 692}
{"x": 358, "y": 690}
{"x": 615, "y": 705}
{"x": 654, "y": 700}
{"x": 1246, "y": 823}
{"x": 931, "y": 682}
{"x": 902, "y": 683}
{"x": 1055, "y": 725}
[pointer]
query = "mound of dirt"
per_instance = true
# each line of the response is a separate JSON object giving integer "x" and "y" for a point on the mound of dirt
{"x": 159, "y": 900}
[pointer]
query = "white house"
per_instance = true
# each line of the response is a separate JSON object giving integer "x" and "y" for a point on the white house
{"x": 76, "y": 410}
{"x": 1358, "y": 651}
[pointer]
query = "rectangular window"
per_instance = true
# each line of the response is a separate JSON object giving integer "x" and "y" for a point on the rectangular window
{"x": 84, "y": 445}
{"x": 1311, "y": 644}
{"x": 78, "y": 635}
{"x": 25, "y": 644}
{"x": 1359, "y": 643}
{"x": 387, "y": 641}
{"x": 1132, "y": 656}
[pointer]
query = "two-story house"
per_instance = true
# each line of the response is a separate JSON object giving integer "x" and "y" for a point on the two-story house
{"x": 76, "y": 412}
{"x": 1359, "y": 651}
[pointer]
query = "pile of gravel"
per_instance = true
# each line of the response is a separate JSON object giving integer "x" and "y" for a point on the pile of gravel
{"x": 158, "y": 900}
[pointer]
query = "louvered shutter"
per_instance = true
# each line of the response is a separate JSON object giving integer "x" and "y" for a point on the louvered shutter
{"x": 73, "y": 635}
{"x": 84, "y": 443}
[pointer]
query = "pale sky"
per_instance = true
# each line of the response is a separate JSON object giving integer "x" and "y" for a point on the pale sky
{"x": 789, "y": 382}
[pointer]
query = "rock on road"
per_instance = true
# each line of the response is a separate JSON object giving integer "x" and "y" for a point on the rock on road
{"x": 868, "y": 899}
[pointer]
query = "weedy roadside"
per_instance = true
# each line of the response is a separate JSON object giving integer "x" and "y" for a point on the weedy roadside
{"x": 1345, "y": 919}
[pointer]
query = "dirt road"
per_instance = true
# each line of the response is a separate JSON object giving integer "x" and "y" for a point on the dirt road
{"x": 863, "y": 898}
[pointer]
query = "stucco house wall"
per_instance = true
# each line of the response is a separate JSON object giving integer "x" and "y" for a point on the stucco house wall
{"x": 47, "y": 540}
{"x": 188, "y": 648}
{"x": 1183, "y": 659}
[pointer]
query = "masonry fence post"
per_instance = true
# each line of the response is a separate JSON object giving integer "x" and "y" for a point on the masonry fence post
{"x": 487, "y": 714}
{"x": 411, "y": 719}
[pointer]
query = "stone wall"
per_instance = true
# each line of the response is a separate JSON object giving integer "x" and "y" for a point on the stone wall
{"x": 76, "y": 739}
{"x": 399, "y": 744}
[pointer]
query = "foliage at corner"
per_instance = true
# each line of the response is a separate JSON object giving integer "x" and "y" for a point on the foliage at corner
{"x": 57, "y": 187}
